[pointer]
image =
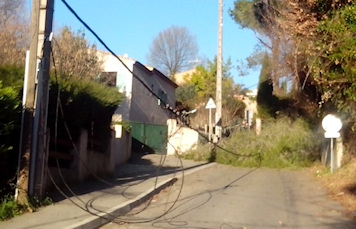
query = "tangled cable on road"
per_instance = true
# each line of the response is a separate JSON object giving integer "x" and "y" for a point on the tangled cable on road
{"x": 88, "y": 206}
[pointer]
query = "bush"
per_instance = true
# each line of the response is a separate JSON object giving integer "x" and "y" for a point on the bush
{"x": 12, "y": 76}
{"x": 86, "y": 105}
{"x": 8, "y": 208}
{"x": 282, "y": 143}
{"x": 10, "y": 118}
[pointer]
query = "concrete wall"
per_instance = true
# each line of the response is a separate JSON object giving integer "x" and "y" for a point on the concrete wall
{"x": 87, "y": 163}
{"x": 93, "y": 163}
{"x": 181, "y": 139}
{"x": 121, "y": 146}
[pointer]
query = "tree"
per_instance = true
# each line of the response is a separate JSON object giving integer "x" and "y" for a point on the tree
{"x": 203, "y": 81}
{"x": 285, "y": 28}
{"x": 13, "y": 32}
{"x": 334, "y": 68}
{"x": 173, "y": 50}
{"x": 74, "y": 56}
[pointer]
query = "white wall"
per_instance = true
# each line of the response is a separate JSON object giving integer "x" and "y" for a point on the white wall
{"x": 123, "y": 79}
{"x": 181, "y": 139}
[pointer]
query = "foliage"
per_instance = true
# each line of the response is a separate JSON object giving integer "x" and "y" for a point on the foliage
{"x": 10, "y": 109}
{"x": 204, "y": 80}
{"x": 276, "y": 147}
{"x": 243, "y": 14}
{"x": 13, "y": 32}
{"x": 74, "y": 56}
{"x": 173, "y": 50}
{"x": 186, "y": 94}
{"x": 268, "y": 105}
{"x": 86, "y": 105}
{"x": 202, "y": 153}
{"x": 10, "y": 120}
{"x": 12, "y": 76}
{"x": 9, "y": 208}
{"x": 202, "y": 85}
{"x": 334, "y": 69}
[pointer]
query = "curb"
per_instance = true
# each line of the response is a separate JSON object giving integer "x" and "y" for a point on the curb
{"x": 102, "y": 218}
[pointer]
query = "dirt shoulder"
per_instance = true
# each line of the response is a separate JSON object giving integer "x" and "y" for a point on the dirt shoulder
{"x": 340, "y": 185}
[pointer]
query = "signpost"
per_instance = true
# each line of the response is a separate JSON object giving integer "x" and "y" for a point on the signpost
{"x": 332, "y": 125}
{"x": 210, "y": 105}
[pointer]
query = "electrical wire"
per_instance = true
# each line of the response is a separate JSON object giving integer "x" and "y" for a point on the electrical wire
{"x": 166, "y": 107}
{"x": 162, "y": 159}
{"x": 89, "y": 204}
{"x": 112, "y": 53}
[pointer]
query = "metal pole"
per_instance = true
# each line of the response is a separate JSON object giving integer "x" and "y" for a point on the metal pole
{"x": 219, "y": 75}
{"x": 332, "y": 155}
{"x": 210, "y": 126}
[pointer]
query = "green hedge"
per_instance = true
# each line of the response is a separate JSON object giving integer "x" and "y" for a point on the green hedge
{"x": 86, "y": 105}
{"x": 10, "y": 121}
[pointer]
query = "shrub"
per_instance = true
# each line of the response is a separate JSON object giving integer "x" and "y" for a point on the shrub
{"x": 8, "y": 208}
{"x": 282, "y": 143}
{"x": 10, "y": 116}
{"x": 86, "y": 105}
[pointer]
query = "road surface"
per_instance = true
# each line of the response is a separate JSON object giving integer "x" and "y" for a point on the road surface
{"x": 226, "y": 197}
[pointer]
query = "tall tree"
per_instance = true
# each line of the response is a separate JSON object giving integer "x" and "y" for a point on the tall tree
{"x": 74, "y": 56}
{"x": 287, "y": 29}
{"x": 284, "y": 28}
{"x": 173, "y": 50}
{"x": 334, "y": 67}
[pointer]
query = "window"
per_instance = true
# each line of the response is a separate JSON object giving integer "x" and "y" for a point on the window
{"x": 108, "y": 78}
{"x": 163, "y": 97}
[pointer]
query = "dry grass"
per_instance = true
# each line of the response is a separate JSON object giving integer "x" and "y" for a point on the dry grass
{"x": 340, "y": 185}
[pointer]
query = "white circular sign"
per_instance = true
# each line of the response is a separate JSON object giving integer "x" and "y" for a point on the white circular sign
{"x": 331, "y": 124}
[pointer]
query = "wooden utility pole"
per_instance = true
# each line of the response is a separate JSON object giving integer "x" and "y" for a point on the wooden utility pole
{"x": 218, "y": 99}
{"x": 33, "y": 133}
{"x": 27, "y": 121}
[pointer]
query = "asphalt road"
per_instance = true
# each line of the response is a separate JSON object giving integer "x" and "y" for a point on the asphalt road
{"x": 226, "y": 197}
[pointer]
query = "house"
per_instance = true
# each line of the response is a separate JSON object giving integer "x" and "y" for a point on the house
{"x": 149, "y": 101}
{"x": 251, "y": 106}
{"x": 182, "y": 77}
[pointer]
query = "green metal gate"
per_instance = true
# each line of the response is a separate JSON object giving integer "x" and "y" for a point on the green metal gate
{"x": 151, "y": 135}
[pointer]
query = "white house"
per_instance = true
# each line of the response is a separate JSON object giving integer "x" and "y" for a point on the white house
{"x": 148, "y": 93}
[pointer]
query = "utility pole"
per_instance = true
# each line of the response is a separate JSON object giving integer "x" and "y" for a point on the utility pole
{"x": 218, "y": 99}
{"x": 36, "y": 105}
{"x": 28, "y": 111}
{"x": 38, "y": 170}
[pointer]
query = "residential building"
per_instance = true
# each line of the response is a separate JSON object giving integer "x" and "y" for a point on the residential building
{"x": 149, "y": 98}
{"x": 182, "y": 77}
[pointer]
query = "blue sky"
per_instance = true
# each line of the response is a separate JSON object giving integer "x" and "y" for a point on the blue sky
{"x": 129, "y": 27}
